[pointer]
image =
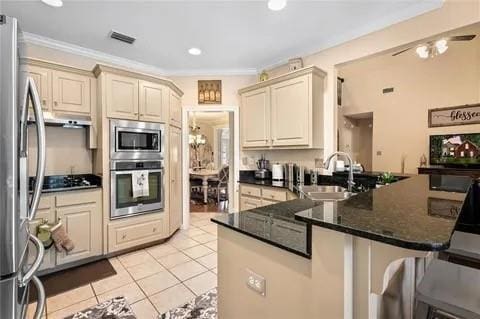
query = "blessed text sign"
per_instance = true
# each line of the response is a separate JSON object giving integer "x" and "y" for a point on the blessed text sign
{"x": 456, "y": 115}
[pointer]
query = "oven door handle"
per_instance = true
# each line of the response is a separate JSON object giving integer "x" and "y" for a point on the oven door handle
{"x": 120, "y": 172}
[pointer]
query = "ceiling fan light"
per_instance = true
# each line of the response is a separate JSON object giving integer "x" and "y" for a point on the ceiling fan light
{"x": 422, "y": 51}
{"x": 276, "y": 5}
{"x": 53, "y": 3}
{"x": 441, "y": 46}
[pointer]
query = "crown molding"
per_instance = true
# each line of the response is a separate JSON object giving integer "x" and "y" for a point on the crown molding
{"x": 99, "y": 57}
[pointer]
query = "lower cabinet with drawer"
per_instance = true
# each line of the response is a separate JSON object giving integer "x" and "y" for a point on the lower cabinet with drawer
{"x": 81, "y": 214}
{"x": 253, "y": 196}
{"x": 123, "y": 234}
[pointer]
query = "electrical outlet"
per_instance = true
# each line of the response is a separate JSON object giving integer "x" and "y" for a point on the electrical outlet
{"x": 319, "y": 163}
{"x": 256, "y": 282}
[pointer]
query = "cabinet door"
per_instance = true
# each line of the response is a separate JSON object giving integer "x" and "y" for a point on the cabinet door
{"x": 291, "y": 112}
{"x": 255, "y": 113}
{"x": 153, "y": 102}
{"x": 175, "y": 109}
{"x": 43, "y": 81}
{"x": 249, "y": 203}
{"x": 45, "y": 212}
{"x": 121, "y": 97}
{"x": 176, "y": 198}
{"x": 81, "y": 216}
{"x": 71, "y": 93}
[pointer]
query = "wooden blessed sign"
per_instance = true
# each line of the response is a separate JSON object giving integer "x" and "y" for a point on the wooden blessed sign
{"x": 455, "y": 115}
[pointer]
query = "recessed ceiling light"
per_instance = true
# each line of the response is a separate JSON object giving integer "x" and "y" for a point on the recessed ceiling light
{"x": 194, "y": 51}
{"x": 277, "y": 5}
{"x": 53, "y": 3}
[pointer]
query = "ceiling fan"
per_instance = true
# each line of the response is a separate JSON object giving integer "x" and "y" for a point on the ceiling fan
{"x": 437, "y": 47}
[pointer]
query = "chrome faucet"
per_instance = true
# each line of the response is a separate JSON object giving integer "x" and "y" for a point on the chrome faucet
{"x": 350, "y": 182}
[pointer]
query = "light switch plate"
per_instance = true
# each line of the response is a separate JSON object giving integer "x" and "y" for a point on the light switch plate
{"x": 256, "y": 282}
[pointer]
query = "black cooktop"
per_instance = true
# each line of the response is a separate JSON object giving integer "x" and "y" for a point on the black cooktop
{"x": 60, "y": 183}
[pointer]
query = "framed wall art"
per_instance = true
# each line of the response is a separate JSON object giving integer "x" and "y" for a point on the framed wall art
{"x": 209, "y": 91}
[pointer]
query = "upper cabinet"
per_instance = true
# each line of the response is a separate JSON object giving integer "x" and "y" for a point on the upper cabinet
{"x": 285, "y": 112}
{"x": 121, "y": 97}
{"x": 153, "y": 102}
{"x": 71, "y": 93}
{"x": 43, "y": 80}
{"x": 256, "y": 118}
{"x": 137, "y": 96}
{"x": 175, "y": 109}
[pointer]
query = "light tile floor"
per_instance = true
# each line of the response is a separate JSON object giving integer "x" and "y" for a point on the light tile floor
{"x": 155, "y": 279}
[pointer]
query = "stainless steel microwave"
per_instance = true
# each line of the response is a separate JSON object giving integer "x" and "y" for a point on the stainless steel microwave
{"x": 132, "y": 140}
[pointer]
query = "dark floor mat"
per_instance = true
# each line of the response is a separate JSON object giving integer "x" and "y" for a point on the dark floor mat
{"x": 74, "y": 277}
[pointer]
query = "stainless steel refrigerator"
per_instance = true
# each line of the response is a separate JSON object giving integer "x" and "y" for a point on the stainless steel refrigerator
{"x": 18, "y": 260}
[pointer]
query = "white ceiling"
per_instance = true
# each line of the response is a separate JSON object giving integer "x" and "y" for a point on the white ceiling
{"x": 235, "y": 36}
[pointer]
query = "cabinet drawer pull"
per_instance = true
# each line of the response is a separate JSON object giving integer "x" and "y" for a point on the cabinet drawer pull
{"x": 56, "y": 103}
{"x": 272, "y": 196}
{"x": 44, "y": 102}
{"x": 154, "y": 229}
{"x": 124, "y": 236}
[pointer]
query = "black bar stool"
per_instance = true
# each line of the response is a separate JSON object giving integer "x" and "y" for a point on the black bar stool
{"x": 448, "y": 291}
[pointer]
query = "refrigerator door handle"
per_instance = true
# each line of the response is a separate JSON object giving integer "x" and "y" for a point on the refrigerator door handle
{"x": 32, "y": 93}
{"x": 36, "y": 264}
{"x": 40, "y": 298}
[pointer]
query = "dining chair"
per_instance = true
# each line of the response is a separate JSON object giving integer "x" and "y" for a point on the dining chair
{"x": 219, "y": 186}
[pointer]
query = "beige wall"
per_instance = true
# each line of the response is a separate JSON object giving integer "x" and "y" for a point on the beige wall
{"x": 400, "y": 118}
{"x": 230, "y": 86}
{"x": 66, "y": 149}
{"x": 454, "y": 14}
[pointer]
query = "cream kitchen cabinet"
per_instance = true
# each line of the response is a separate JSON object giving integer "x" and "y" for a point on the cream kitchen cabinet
{"x": 81, "y": 214}
{"x": 175, "y": 109}
{"x": 175, "y": 170}
{"x": 255, "y": 112}
{"x": 247, "y": 203}
{"x": 291, "y": 108}
{"x": 137, "y": 96}
{"x": 71, "y": 93}
{"x": 43, "y": 80}
{"x": 253, "y": 196}
{"x": 153, "y": 102}
{"x": 45, "y": 214}
{"x": 285, "y": 112}
{"x": 121, "y": 96}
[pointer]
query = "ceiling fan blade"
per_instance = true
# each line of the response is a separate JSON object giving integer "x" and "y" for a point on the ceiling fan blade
{"x": 400, "y": 52}
{"x": 466, "y": 37}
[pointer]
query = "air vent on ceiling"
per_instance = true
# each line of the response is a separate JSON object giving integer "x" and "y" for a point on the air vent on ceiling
{"x": 121, "y": 37}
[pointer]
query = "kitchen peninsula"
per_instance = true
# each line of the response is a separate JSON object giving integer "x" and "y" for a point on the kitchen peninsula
{"x": 344, "y": 254}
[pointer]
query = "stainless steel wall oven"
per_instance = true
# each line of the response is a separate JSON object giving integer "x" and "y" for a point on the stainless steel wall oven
{"x": 123, "y": 202}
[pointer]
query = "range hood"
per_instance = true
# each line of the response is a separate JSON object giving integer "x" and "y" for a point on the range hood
{"x": 63, "y": 120}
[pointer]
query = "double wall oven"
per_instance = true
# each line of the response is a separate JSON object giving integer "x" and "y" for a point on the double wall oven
{"x": 136, "y": 149}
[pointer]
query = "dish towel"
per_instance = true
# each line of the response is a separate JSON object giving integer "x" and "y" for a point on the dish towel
{"x": 60, "y": 238}
{"x": 140, "y": 184}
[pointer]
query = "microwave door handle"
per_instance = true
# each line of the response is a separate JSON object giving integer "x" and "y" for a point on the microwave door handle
{"x": 41, "y": 147}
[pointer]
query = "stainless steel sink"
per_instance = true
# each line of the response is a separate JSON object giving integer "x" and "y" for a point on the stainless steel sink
{"x": 324, "y": 192}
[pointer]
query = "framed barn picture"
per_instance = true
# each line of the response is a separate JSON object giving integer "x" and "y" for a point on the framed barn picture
{"x": 455, "y": 115}
{"x": 209, "y": 91}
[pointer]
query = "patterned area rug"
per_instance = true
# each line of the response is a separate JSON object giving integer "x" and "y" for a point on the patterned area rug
{"x": 116, "y": 308}
{"x": 202, "y": 307}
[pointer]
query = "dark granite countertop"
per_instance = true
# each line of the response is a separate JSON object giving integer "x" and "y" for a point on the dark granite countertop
{"x": 419, "y": 212}
{"x": 248, "y": 177}
{"x": 274, "y": 224}
{"x": 416, "y": 213}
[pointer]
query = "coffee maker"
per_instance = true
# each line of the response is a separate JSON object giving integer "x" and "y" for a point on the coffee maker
{"x": 262, "y": 171}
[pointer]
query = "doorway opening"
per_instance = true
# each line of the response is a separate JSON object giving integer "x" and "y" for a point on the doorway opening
{"x": 356, "y": 137}
{"x": 210, "y": 162}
